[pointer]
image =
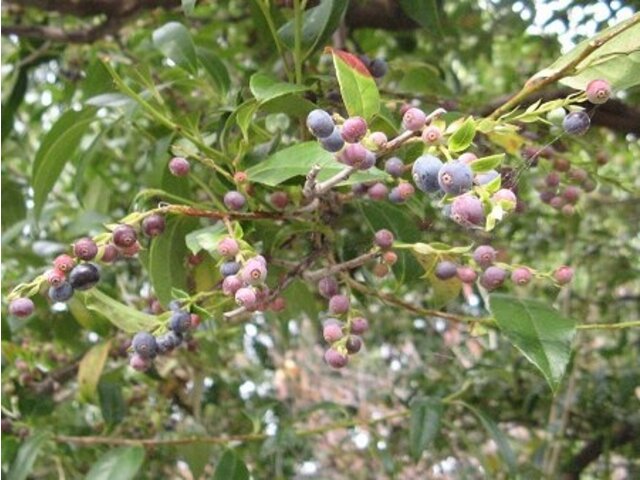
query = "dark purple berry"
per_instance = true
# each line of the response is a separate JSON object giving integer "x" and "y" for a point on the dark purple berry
{"x": 144, "y": 344}
{"x": 571, "y": 194}
{"x": 359, "y": 325}
{"x": 384, "y": 238}
{"x": 378, "y": 68}
{"x": 328, "y": 287}
{"x": 85, "y": 249}
{"x": 576, "y": 123}
{"x": 334, "y": 142}
{"x": 179, "y": 166}
{"x": 234, "y": 200}
{"x": 109, "y": 253}
{"x": 21, "y": 307}
{"x": 229, "y": 268}
{"x": 425, "y": 173}
{"x": 84, "y": 276}
{"x": 354, "y": 129}
{"x": 124, "y": 236}
{"x": 320, "y": 123}
{"x": 168, "y": 342}
{"x": 455, "y": 178}
{"x": 180, "y": 321}
{"x": 552, "y": 179}
{"x": 61, "y": 293}
{"x": 335, "y": 359}
{"x": 339, "y": 304}
{"x": 394, "y": 167}
{"x": 493, "y": 277}
{"x": 153, "y": 225}
{"x": 353, "y": 344}
{"x": 446, "y": 270}
{"x": 484, "y": 256}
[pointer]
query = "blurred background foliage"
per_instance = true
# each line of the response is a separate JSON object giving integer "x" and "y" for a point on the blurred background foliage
{"x": 265, "y": 377}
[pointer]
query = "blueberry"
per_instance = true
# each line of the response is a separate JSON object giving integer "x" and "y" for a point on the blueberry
{"x": 334, "y": 142}
{"x": 320, "y": 123}
{"x": 339, "y": 304}
{"x": 378, "y": 191}
{"x": 394, "y": 167}
{"x": 425, "y": 173}
{"x": 446, "y": 270}
{"x": 179, "y": 166}
{"x": 254, "y": 272}
{"x": 124, "y": 236}
{"x": 153, "y": 225}
{"x": 521, "y": 276}
{"x": 368, "y": 162}
{"x": 335, "y": 359}
{"x": 180, "y": 321}
{"x": 246, "y": 297}
{"x": 455, "y": 178}
{"x": 21, "y": 307}
{"x": 467, "y": 210}
{"x": 431, "y": 135}
{"x": 139, "y": 363}
{"x": 485, "y": 178}
{"x": 144, "y": 344}
{"x": 64, "y": 263}
{"x": 85, "y": 249}
{"x": 493, "y": 277}
{"x": 598, "y": 91}
{"x": 467, "y": 274}
{"x": 359, "y": 325}
{"x": 414, "y": 119}
{"x": 353, "y": 344}
{"x": 228, "y": 247}
{"x": 229, "y": 268}
{"x": 174, "y": 305}
{"x": 484, "y": 256}
{"x": 279, "y": 199}
{"x": 61, "y": 293}
{"x": 394, "y": 196}
{"x": 354, "y": 155}
{"x": 328, "y": 287}
{"x": 384, "y": 238}
{"x": 231, "y": 284}
{"x": 234, "y": 200}
{"x": 168, "y": 341}
{"x": 378, "y": 68}
{"x": 84, "y": 276}
{"x": 563, "y": 275}
{"x": 332, "y": 331}
{"x": 354, "y": 129}
{"x": 576, "y": 123}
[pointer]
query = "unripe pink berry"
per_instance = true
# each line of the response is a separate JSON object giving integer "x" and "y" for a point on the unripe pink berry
{"x": 563, "y": 275}
{"x": 335, "y": 359}
{"x": 571, "y": 194}
{"x": 328, "y": 287}
{"x": 278, "y": 304}
{"x": 354, "y": 155}
{"x": 21, "y": 307}
{"x": 598, "y": 91}
{"x": 231, "y": 284}
{"x": 179, "y": 166}
{"x": 379, "y": 139}
{"x": 339, "y": 304}
{"x": 390, "y": 258}
{"x": 467, "y": 274}
{"x": 414, "y": 119}
{"x": 384, "y": 238}
{"x": 504, "y": 194}
{"x": 109, "y": 253}
{"x": 431, "y": 135}
{"x": 234, "y": 200}
{"x": 139, "y": 363}
{"x": 467, "y": 158}
{"x": 354, "y": 129}
{"x": 228, "y": 247}
{"x": 359, "y": 325}
{"x": 378, "y": 191}
{"x": 380, "y": 270}
{"x": 64, "y": 263}
{"x": 131, "y": 250}
{"x": 493, "y": 277}
{"x": 55, "y": 277}
{"x": 332, "y": 331}
{"x": 467, "y": 210}
{"x": 405, "y": 190}
{"x": 521, "y": 276}
{"x": 240, "y": 177}
{"x": 484, "y": 256}
{"x": 253, "y": 272}
{"x": 279, "y": 199}
{"x": 246, "y": 297}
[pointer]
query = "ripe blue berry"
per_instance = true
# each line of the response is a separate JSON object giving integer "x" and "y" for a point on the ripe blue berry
{"x": 339, "y": 304}
{"x": 246, "y": 297}
{"x": 84, "y": 276}
{"x": 467, "y": 210}
{"x": 124, "y": 236}
{"x": 576, "y": 123}
{"x": 61, "y": 293}
{"x": 378, "y": 68}
{"x": 179, "y": 166}
{"x": 455, "y": 178}
{"x": 521, "y": 276}
{"x": 383, "y": 238}
{"x": 180, "y": 321}
{"x": 328, "y": 287}
{"x": 228, "y": 247}
{"x": 320, "y": 123}
{"x": 484, "y": 256}
{"x": 446, "y": 270}
{"x": 598, "y": 91}
{"x": 354, "y": 129}
{"x": 394, "y": 167}
{"x": 425, "y": 173}
{"x": 174, "y": 305}
{"x": 353, "y": 344}
{"x": 493, "y": 277}
{"x": 153, "y": 225}
{"x": 144, "y": 344}
{"x": 335, "y": 359}
{"x": 168, "y": 341}
{"x": 254, "y": 272}
{"x": 234, "y": 200}
{"x": 85, "y": 249}
{"x": 21, "y": 307}
{"x": 229, "y": 268}
{"x": 378, "y": 191}
{"x": 359, "y": 325}
{"x": 332, "y": 330}
{"x": 414, "y": 119}
{"x": 334, "y": 142}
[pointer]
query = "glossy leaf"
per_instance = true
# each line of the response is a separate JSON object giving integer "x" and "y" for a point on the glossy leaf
{"x": 266, "y": 88}
{"x": 127, "y": 319}
{"x": 167, "y": 257}
{"x": 463, "y": 136}
{"x": 206, "y": 238}
{"x": 90, "y": 369}
{"x": 122, "y": 463}
{"x": 216, "y": 69}
{"x": 231, "y": 467}
{"x": 424, "y": 425}
{"x": 56, "y": 149}
{"x": 296, "y": 161}
{"x": 319, "y": 23}
{"x": 539, "y": 331}
{"x": 112, "y": 405}
{"x": 27, "y": 455}
{"x": 485, "y": 164}
{"x": 13, "y": 205}
{"x": 425, "y": 12}
{"x": 357, "y": 87}
{"x": 175, "y": 42}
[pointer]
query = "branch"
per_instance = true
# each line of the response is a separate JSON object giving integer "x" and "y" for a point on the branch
{"x": 56, "y": 34}
{"x": 536, "y": 84}
{"x": 341, "y": 267}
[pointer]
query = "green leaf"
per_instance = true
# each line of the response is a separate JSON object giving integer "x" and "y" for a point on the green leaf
{"x": 26, "y": 456}
{"x": 215, "y": 68}
{"x": 266, "y": 88}
{"x": 13, "y": 206}
{"x": 539, "y": 331}
{"x": 485, "y": 164}
{"x": 425, "y": 12}
{"x": 617, "y": 60}
{"x": 501, "y": 440}
{"x": 175, "y": 42}
{"x": 112, "y": 403}
{"x": 167, "y": 255}
{"x": 357, "y": 87}
{"x": 296, "y": 161}
{"x": 188, "y": 6}
{"x": 424, "y": 425}
{"x": 127, "y": 319}
{"x": 206, "y": 238}
{"x": 319, "y": 23}
{"x": 231, "y": 467}
{"x": 90, "y": 369}
{"x": 10, "y": 106}
{"x": 122, "y": 463}
{"x": 57, "y": 147}
{"x": 463, "y": 136}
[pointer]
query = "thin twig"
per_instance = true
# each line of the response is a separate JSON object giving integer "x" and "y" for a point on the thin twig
{"x": 316, "y": 275}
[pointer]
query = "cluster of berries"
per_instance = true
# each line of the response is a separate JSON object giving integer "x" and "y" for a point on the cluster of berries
{"x": 245, "y": 280}
{"x": 77, "y": 272}
{"x": 562, "y": 188}
{"x": 578, "y": 122}
{"x": 491, "y": 275}
{"x": 146, "y": 346}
